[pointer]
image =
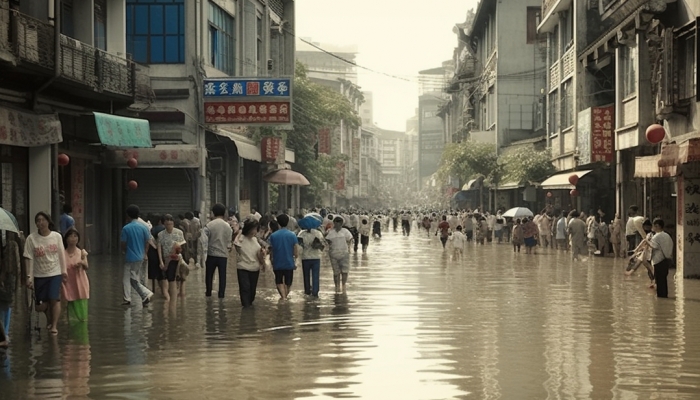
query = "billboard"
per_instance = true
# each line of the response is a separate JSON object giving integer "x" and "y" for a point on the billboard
{"x": 249, "y": 101}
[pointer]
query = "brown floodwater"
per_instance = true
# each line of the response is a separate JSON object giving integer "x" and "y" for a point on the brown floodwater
{"x": 415, "y": 324}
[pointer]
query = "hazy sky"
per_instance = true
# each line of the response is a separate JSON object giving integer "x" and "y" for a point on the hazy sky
{"x": 397, "y": 37}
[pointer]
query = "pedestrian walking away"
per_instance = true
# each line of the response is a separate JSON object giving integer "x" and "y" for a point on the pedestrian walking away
{"x": 250, "y": 261}
{"x": 283, "y": 246}
{"x": 218, "y": 236}
{"x": 661, "y": 253}
{"x": 134, "y": 239}
{"x": 312, "y": 243}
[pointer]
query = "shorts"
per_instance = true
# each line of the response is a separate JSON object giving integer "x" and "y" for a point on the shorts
{"x": 364, "y": 240}
{"x": 284, "y": 276}
{"x": 530, "y": 242}
{"x": 340, "y": 265}
{"x": 170, "y": 271}
{"x": 154, "y": 270}
{"x": 47, "y": 288}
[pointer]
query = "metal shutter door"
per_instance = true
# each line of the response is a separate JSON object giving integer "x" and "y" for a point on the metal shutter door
{"x": 161, "y": 191}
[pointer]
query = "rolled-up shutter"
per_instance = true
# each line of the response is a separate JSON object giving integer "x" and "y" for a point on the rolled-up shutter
{"x": 161, "y": 190}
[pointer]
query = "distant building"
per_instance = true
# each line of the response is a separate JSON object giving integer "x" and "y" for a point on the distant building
{"x": 431, "y": 136}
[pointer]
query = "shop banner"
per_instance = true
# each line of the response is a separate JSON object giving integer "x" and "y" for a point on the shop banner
{"x": 25, "y": 129}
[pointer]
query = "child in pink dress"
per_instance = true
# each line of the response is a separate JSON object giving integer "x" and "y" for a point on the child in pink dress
{"x": 76, "y": 288}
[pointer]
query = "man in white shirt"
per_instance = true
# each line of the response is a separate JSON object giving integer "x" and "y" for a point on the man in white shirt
{"x": 339, "y": 240}
{"x": 661, "y": 253}
{"x": 491, "y": 224}
{"x": 630, "y": 231}
{"x": 218, "y": 235}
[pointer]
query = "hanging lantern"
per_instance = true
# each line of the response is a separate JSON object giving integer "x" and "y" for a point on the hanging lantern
{"x": 655, "y": 133}
{"x": 63, "y": 159}
{"x": 132, "y": 163}
{"x": 549, "y": 194}
{"x": 574, "y": 192}
{"x": 573, "y": 179}
{"x": 133, "y": 185}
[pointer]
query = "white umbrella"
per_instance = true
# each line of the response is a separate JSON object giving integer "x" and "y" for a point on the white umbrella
{"x": 518, "y": 212}
{"x": 8, "y": 222}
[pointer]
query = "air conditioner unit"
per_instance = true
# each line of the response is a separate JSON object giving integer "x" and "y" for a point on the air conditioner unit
{"x": 216, "y": 164}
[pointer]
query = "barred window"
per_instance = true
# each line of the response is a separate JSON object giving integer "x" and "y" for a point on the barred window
{"x": 155, "y": 31}
{"x": 628, "y": 61}
{"x": 687, "y": 65}
{"x": 567, "y": 104}
{"x": 222, "y": 40}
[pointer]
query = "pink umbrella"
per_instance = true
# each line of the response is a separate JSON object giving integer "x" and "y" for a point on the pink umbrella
{"x": 286, "y": 177}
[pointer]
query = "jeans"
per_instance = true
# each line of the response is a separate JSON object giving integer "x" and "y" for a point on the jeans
{"x": 5, "y": 311}
{"x": 213, "y": 263}
{"x": 247, "y": 284}
{"x": 132, "y": 279}
{"x": 311, "y": 269}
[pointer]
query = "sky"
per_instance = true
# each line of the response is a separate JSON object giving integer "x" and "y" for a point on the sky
{"x": 396, "y": 37}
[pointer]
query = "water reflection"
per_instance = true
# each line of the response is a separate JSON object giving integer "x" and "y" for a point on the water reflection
{"x": 416, "y": 323}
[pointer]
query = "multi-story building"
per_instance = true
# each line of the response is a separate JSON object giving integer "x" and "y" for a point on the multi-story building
{"x": 510, "y": 65}
{"x": 65, "y": 72}
{"x": 431, "y": 137}
{"x": 615, "y": 68}
{"x": 330, "y": 71}
{"x": 128, "y": 75}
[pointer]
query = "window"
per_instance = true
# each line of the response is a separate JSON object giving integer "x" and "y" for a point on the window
{"x": 567, "y": 28}
{"x": 687, "y": 64}
{"x": 155, "y": 31}
{"x": 628, "y": 68}
{"x": 259, "y": 44}
{"x": 101, "y": 24}
{"x": 533, "y": 19}
{"x": 553, "y": 113}
{"x": 567, "y": 104}
{"x": 221, "y": 40}
{"x": 554, "y": 45}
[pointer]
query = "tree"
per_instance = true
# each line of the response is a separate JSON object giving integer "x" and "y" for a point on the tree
{"x": 314, "y": 107}
{"x": 526, "y": 165}
{"x": 468, "y": 159}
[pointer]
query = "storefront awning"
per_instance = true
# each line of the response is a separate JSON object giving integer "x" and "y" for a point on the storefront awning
{"x": 653, "y": 167}
{"x": 561, "y": 181}
{"x": 248, "y": 150}
{"x": 666, "y": 163}
{"x": 25, "y": 129}
{"x": 510, "y": 185}
{"x": 118, "y": 131}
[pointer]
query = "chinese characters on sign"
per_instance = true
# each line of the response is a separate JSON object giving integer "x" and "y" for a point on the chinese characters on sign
{"x": 250, "y": 101}
{"x": 602, "y": 134}
{"x": 247, "y": 112}
{"x": 246, "y": 87}
{"x": 270, "y": 147}
{"x": 324, "y": 141}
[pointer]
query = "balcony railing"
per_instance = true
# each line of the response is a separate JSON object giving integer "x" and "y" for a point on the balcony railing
{"x": 32, "y": 43}
{"x": 546, "y": 6}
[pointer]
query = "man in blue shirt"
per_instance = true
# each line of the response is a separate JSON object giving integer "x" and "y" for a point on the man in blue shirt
{"x": 66, "y": 222}
{"x": 284, "y": 252}
{"x": 134, "y": 243}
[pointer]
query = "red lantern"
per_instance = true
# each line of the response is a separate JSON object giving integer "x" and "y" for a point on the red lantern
{"x": 132, "y": 163}
{"x": 549, "y": 194}
{"x": 573, "y": 179}
{"x": 655, "y": 133}
{"x": 574, "y": 192}
{"x": 133, "y": 185}
{"x": 63, "y": 159}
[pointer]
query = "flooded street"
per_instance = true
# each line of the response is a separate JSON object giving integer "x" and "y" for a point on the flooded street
{"x": 415, "y": 324}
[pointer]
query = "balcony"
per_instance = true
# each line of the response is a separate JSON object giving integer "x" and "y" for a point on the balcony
{"x": 550, "y": 10}
{"x": 31, "y": 42}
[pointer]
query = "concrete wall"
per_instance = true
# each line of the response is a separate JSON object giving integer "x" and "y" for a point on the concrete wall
{"x": 40, "y": 183}
{"x": 116, "y": 27}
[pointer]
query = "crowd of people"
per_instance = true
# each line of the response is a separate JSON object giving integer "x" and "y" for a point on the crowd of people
{"x": 168, "y": 248}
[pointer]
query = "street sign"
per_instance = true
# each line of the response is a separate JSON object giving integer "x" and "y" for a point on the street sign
{"x": 251, "y": 101}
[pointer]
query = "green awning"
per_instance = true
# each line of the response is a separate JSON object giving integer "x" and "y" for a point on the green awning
{"x": 118, "y": 131}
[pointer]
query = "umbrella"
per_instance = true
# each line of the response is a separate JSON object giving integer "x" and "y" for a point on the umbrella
{"x": 315, "y": 215}
{"x": 8, "y": 222}
{"x": 518, "y": 212}
{"x": 286, "y": 177}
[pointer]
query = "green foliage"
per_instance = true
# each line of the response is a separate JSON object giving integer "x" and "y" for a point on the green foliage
{"x": 524, "y": 164}
{"x": 468, "y": 159}
{"x": 315, "y": 107}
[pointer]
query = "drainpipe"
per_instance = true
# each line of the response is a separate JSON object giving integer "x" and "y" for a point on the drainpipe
{"x": 57, "y": 51}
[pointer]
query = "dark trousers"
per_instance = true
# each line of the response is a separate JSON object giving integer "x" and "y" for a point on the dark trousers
{"x": 213, "y": 263}
{"x": 311, "y": 269}
{"x": 247, "y": 284}
{"x": 661, "y": 273}
{"x": 444, "y": 241}
{"x": 633, "y": 241}
{"x": 396, "y": 223}
{"x": 355, "y": 236}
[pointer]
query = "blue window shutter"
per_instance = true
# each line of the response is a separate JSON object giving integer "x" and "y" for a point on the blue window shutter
{"x": 141, "y": 20}
{"x": 157, "y": 50}
{"x": 156, "y": 19}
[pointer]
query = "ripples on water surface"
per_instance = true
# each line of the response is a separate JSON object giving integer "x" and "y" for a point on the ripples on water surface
{"x": 415, "y": 325}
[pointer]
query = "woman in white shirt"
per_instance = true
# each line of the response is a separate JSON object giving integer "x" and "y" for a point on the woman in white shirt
{"x": 251, "y": 260}
{"x": 46, "y": 269}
